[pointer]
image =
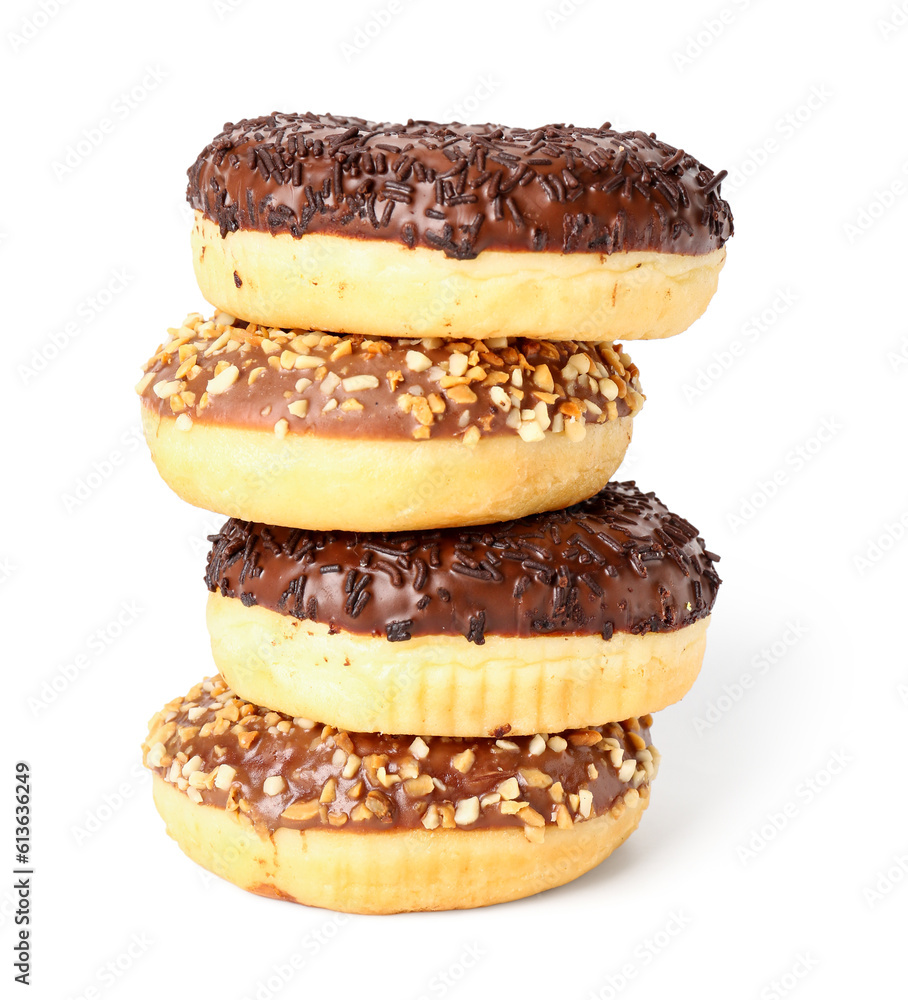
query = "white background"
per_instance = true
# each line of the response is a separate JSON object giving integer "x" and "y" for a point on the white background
{"x": 776, "y": 845}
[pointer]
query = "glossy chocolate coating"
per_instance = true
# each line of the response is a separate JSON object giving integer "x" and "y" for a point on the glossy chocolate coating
{"x": 460, "y": 188}
{"x": 307, "y": 759}
{"x": 618, "y": 562}
{"x": 269, "y": 387}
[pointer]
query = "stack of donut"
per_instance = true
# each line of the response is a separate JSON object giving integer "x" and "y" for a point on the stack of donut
{"x": 440, "y": 630}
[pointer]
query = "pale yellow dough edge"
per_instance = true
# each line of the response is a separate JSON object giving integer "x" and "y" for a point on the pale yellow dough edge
{"x": 382, "y": 288}
{"x": 395, "y": 870}
{"x": 365, "y": 484}
{"x": 444, "y": 685}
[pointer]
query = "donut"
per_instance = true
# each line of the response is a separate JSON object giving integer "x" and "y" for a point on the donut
{"x": 556, "y": 621}
{"x": 461, "y": 231}
{"x": 341, "y": 432}
{"x": 369, "y": 823}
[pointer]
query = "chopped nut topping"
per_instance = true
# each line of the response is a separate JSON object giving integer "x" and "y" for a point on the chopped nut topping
{"x": 273, "y": 785}
{"x": 471, "y": 436}
{"x": 467, "y": 811}
{"x": 509, "y": 789}
{"x": 533, "y": 818}
{"x": 458, "y": 363}
{"x": 201, "y": 779}
{"x": 246, "y": 739}
{"x": 461, "y": 394}
{"x": 537, "y": 745}
{"x": 357, "y": 383}
{"x": 575, "y": 430}
{"x": 464, "y": 761}
{"x": 408, "y": 769}
{"x": 321, "y": 781}
{"x": 224, "y": 777}
{"x": 418, "y": 362}
{"x": 377, "y": 804}
{"x": 193, "y": 764}
{"x": 563, "y": 818}
{"x": 626, "y": 771}
{"x": 223, "y": 381}
{"x": 636, "y": 741}
{"x": 584, "y": 738}
{"x": 535, "y": 778}
{"x": 530, "y": 430}
{"x": 542, "y": 377}
{"x": 387, "y": 780}
{"x": 418, "y": 787}
{"x": 205, "y": 354}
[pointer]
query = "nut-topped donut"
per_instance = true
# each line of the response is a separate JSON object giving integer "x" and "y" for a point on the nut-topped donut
{"x": 320, "y": 430}
{"x": 451, "y": 230}
{"x": 365, "y": 822}
{"x": 564, "y": 619}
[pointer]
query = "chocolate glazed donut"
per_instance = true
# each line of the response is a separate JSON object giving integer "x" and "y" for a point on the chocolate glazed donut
{"x": 490, "y": 230}
{"x": 570, "y": 617}
{"x": 292, "y": 808}
{"x": 320, "y": 430}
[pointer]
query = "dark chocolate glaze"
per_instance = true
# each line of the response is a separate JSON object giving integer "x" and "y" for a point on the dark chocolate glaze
{"x": 460, "y": 188}
{"x": 618, "y": 562}
{"x": 308, "y": 758}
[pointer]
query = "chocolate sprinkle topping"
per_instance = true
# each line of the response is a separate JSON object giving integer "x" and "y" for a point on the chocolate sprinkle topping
{"x": 460, "y": 188}
{"x": 618, "y": 562}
